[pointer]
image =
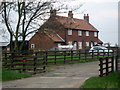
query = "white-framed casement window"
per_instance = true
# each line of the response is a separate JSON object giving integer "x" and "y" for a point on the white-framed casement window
{"x": 95, "y": 34}
{"x": 79, "y": 45}
{"x": 70, "y": 43}
{"x": 87, "y": 33}
{"x": 87, "y": 44}
{"x": 69, "y": 31}
{"x": 32, "y": 46}
{"x": 79, "y": 33}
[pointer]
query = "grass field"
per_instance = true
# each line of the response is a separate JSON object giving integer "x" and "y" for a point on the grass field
{"x": 6, "y": 75}
{"x": 110, "y": 81}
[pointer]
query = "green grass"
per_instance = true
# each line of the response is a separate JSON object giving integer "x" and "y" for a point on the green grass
{"x": 110, "y": 81}
{"x": 12, "y": 75}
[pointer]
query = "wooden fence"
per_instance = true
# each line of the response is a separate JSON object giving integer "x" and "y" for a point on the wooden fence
{"x": 34, "y": 62}
{"x": 57, "y": 57}
{"x": 106, "y": 66}
{"x": 24, "y": 63}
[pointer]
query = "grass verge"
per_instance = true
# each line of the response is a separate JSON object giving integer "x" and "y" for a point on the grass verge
{"x": 110, "y": 81}
{"x": 12, "y": 75}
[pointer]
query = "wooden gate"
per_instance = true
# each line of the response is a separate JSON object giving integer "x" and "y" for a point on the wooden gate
{"x": 117, "y": 60}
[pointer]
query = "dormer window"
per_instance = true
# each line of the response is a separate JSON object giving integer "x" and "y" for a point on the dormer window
{"x": 69, "y": 31}
{"x": 87, "y": 33}
{"x": 79, "y": 33}
{"x": 95, "y": 34}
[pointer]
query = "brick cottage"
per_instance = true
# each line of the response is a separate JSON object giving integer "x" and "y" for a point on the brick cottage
{"x": 61, "y": 30}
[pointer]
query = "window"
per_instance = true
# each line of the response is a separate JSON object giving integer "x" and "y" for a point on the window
{"x": 32, "y": 46}
{"x": 69, "y": 31}
{"x": 87, "y": 33}
{"x": 79, "y": 33}
{"x": 87, "y": 44}
{"x": 79, "y": 45}
{"x": 95, "y": 34}
{"x": 69, "y": 43}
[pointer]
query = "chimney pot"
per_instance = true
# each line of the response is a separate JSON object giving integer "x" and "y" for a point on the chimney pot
{"x": 86, "y": 17}
{"x": 70, "y": 14}
{"x": 53, "y": 12}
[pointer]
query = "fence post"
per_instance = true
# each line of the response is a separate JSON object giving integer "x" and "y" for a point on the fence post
{"x": 44, "y": 63}
{"x": 24, "y": 69}
{"x": 107, "y": 65}
{"x": 108, "y": 52}
{"x": 71, "y": 55}
{"x": 101, "y": 67}
{"x": 12, "y": 59}
{"x": 112, "y": 64}
{"x": 35, "y": 64}
{"x": 55, "y": 56}
{"x": 92, "y": 54}
{"x": 97, "y": 54}
{"x": 6, "y": 60}
{"x": 103, "y": 53}
{"x": 85, "y": 55}
{"x": 64, "y": 56}
{"x": 46, "y": 54}
{"x": 79, "y": 54}
{"x": 116, "y": 62}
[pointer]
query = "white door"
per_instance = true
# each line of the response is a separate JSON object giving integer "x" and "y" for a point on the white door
{"x": 75, "y": 46}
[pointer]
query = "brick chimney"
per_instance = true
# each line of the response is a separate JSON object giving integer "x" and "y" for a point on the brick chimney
{"x": 53, "y": 12}
{"x": 86, "y": 17}
{"x": 70, "y": 14}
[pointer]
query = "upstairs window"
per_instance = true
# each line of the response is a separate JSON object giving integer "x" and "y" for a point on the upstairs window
{"x": 79, "y": 33}
{"x": 32, "y": 46}
{"x": 87, "y": 33}
{"x": 95, "y": 34}
{"x": 69, "y": 31}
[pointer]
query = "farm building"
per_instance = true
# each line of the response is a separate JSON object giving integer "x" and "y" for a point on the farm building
{"x": 61, "y": 30}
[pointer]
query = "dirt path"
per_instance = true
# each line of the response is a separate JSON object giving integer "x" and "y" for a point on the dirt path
{"x": 65, "y": 76}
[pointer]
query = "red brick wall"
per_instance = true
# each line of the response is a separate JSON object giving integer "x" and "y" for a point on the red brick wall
{"x": 41, "y": 41}
{"x": 83, "y": 38}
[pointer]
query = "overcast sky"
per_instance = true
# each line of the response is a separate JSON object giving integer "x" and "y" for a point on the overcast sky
{"x": 103, "y": 15}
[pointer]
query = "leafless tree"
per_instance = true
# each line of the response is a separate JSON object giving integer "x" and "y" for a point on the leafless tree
{"x": 24, "y": 18}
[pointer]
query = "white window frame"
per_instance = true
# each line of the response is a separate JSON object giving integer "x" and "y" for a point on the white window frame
{"x": 87, "y": 33}
{"x": 95, "y": 34}
{"x": 79, "y": 45}
{"x": 69, "y": 31}
{"x": 70, "y": 43}
{"x": 79, "y": 33}
{"x": 32, "y": 46}
{"x": 87, "y": 44}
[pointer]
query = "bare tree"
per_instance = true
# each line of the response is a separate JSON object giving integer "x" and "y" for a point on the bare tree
{"x": 22, "y": 19}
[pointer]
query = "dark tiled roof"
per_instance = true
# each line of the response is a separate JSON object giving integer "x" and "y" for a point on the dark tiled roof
{"x": 74, "y": 23}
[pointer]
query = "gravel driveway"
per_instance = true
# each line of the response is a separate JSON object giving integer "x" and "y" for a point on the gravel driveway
{"x": 65, "y": 76}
